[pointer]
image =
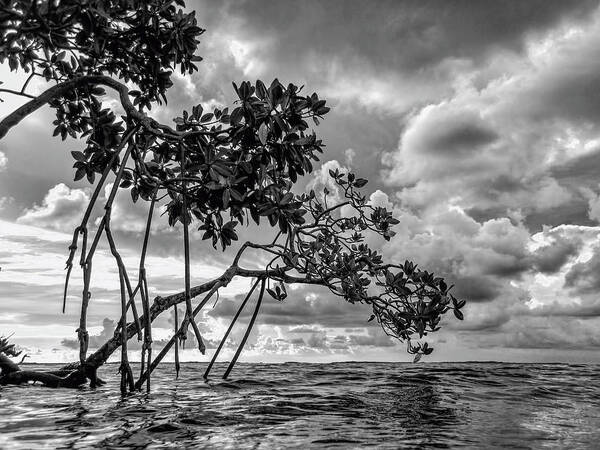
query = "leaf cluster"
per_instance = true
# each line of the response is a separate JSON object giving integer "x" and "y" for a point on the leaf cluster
{"x": 330, "y": 249}
{"x": 7, "y": 348}
{"x": 70, "y": 38}
{"x": 234, "y": 166}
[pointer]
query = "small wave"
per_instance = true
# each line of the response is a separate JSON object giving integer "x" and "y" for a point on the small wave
{"x": 341, "y": 405}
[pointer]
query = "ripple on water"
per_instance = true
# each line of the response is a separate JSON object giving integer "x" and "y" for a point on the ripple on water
{"x": 341, "y": 405}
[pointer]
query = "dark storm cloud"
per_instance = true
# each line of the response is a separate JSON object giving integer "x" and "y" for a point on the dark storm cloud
{"x": 574, "y": 212}
{"x": 406, "y": 34}
{"x": 505, "y": 266}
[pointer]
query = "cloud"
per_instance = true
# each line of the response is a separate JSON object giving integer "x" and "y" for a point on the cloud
{"x": 317, "y": 340}
{"x": 108, "y": 329}
{"x": 439, "y": 139}
{"x": 3, "y": 162}
{"x": 380, "y": 199}
{"x": 62, "y": 209}
{"x": 584, "y": 277}
{"x": 484, "y": 147}
{"x": 418, "y": 47}
{"x": 97, "y": 340}
{"x": 305, "y": 306}
{"x": 551, "y": 258}
{"x": 320, "y": 180}
{"x": 373, "y": 338}
{"x": 556, "y": 333}
{"x": 477, "y": 288}
{"x": 6, "y": 202}
{"x": 481, "y": 258}
{"x": 572, "y": 310}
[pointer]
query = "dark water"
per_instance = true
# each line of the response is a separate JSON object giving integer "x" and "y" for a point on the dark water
{"x": 342, "y": 405}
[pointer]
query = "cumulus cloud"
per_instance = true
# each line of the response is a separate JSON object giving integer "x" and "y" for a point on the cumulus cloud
{"x": 96, "y": 340}
{"x": 380, "y": 199}
{"x": 440, "y": 141}
{"x": 62, "y": 209}
{"x": 499, "y": 140}
{"x": 478, "y": 257}
{"x": 321, "y": 180}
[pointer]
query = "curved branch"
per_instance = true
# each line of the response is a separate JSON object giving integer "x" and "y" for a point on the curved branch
{"x": 62, "y": 88}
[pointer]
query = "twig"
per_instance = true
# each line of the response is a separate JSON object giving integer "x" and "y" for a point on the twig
{"x": 27, "y": 81}
{"x": 21, "y": 94}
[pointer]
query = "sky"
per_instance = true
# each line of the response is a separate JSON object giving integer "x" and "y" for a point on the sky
{"x": 477, "y": 123}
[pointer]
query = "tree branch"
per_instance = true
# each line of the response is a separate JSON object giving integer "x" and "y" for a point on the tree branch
{"x": 62, "y": 88}
{"x": 19, "y": 93}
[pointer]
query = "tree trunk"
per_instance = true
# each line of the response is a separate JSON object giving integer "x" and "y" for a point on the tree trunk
{"x": 12, "y": 374}
{"x": 74, "y": 379}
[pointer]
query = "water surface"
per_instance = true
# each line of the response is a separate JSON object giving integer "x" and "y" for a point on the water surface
{"x": 298, "y": 405}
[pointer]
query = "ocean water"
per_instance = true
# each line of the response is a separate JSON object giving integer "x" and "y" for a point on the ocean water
{"x": 298, "y": 405}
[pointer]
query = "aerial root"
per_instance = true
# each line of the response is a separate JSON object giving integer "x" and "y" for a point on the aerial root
{"x": 250, "y": 325}
{"x": 226, "y": 335}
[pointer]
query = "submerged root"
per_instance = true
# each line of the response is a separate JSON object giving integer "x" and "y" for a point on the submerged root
{"x": 12, "y": 374}
{"x": 127, "y": 383}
